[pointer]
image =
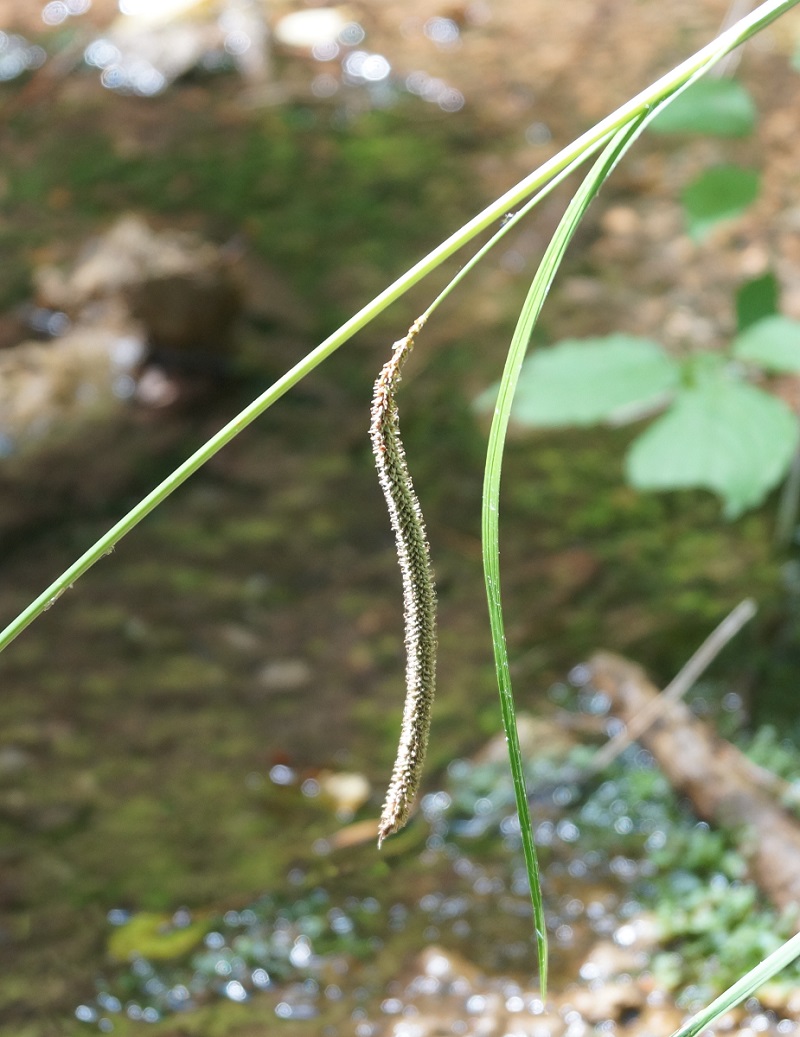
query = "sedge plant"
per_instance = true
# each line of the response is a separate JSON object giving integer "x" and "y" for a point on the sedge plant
{"x": 612, "y": 136}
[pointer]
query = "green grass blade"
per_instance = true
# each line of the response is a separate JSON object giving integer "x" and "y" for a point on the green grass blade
{"x": 742, "y": 988}
{"x": 491, "y": 499}
{"x": 531, "y": 309}
{"x": 509, "y": 222}
{"x": 583, "y": 147}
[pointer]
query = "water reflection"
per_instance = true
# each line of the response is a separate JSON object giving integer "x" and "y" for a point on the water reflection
{"x": 57, "y": 11}
{"x": 154, "y": 42}
{"x": 435, "y": 91}
{"x": 324, "y": 86}
{"x": 294, "y": 948}
{"x": 328, "y": 50}
{"x": 18, "y": 55}
{"x": 442, "y": 31}
{"x": 361, "y": 65}
{"x": 352, "y": 34}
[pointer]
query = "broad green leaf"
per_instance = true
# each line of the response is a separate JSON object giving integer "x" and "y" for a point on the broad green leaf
{"x": 721, "y": 435}
{"x": 718, "y": 107}
{"x": 582, "y": 382}
{"x": 756, "y": 300}
{"x": 718, "y": 194}
{"x": 773, "y": 343}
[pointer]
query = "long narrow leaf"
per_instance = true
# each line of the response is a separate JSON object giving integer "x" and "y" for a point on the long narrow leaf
{"x": 742, "y": 988}
{"x": 510, "y": 220}
{"x": 491, "y": 500}
{"x": 490, "y": 522}
{"x": 585, "y": 145}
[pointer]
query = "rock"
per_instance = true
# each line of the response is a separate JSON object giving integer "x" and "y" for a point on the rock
{"x": 656, "y": 1020}
{"x": 607, "y": 961}
{"x": 447, "y": 994}
{"x": 13, "y": 329}
{"x": 283, "y": 675}
{"x": 444, "y": 993}
{"x": 13, "y": 760}
{"x": 447, "y": 968}
{"x": 610, "y": 1001}
{"x": 269, "y": 298}
{"x": 133, "y": 297}
{"x": 347, "y": 791}
{"x": 45, "y": 387}
{"x": 185, "y": 314}
{"x": 783, "y": 998}
{"x": 642, "y": 933}
{"x": 182, "y": 291}
{"x": 240, "y": 638}
{"x": 127, "y": 254}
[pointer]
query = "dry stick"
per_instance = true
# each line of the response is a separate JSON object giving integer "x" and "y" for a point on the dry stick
{"x": 713, "y": 774}
{"x": 677, "y": 688}
{"x": 419, "y": 592}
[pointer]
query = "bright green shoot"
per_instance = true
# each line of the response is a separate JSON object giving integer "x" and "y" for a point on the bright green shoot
{"x": 491, "y": 501}
{"x": 581, "y": 149}
{"x": 531, "y": 309}
{"x": 742, "y": 989}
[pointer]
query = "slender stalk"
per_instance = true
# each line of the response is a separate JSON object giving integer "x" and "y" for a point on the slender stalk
{"x": 510, "y": 220}
{"x": 742, "y": 988}
{"x": 583, "y": 147}
{"x": 490, "y": 526}
{"x": 788, "y": 505}
{"x": 677, "y": 687}
{"x": 490, "y": 530}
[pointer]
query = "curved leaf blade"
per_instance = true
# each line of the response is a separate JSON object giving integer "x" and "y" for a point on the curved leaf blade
{"x": 490, "y": 505}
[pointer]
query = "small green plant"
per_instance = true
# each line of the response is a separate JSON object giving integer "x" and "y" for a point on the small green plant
{"x": 720, "y": 193}
{"x": 718, "y": 429}
{"x": 714, "y": 107}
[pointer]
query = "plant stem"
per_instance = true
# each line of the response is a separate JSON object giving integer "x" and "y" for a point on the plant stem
{"x": 742, "y": 988}
{"x": 618, "y": 145}
{"x": 583, "y": 147}
{"x": 490, "y": 512}
{"x": 788, "y": 505}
